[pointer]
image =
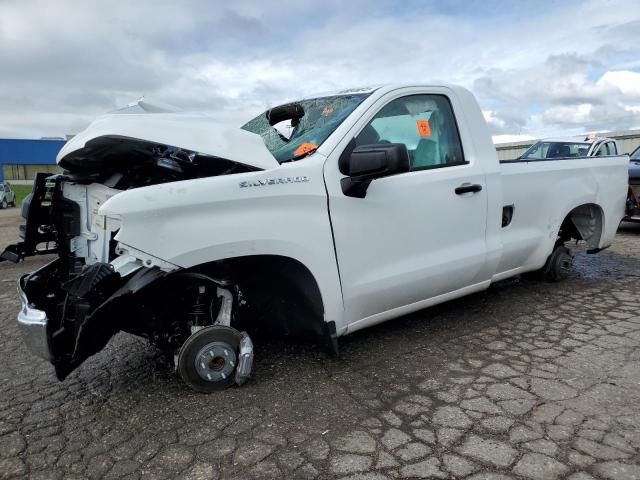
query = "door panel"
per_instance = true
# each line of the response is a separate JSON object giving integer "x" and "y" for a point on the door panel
{"x": 412, "y": 237}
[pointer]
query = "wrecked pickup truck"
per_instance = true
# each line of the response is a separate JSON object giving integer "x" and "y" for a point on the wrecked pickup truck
{"x": 322, "y": 216}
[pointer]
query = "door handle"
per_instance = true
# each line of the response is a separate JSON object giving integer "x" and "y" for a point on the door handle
{"x": 468, "y": 188}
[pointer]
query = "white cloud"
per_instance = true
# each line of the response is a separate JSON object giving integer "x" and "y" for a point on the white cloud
{"x": 627, "y": 82}
{"x": 511, "y": 138}
{"x": 573, "y": 114}
{"x": 65, "y": 62}
{"x": 493, "y": 119}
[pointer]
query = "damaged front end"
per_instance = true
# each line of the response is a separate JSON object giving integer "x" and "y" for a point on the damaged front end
{"x": 96, "y": 286}
{"x": 72, "y": 306}
{"x": 67, "y": 320}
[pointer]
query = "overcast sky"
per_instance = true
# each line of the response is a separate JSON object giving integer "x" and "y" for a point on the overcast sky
{"x": 538, "y": 68}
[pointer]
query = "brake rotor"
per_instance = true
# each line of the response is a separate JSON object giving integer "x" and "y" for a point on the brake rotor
{"x": 208, "y": 359}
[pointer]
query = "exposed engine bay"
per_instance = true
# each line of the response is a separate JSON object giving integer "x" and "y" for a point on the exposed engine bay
{"x": 124, "y": 163}
{"x": 62, "y": 210}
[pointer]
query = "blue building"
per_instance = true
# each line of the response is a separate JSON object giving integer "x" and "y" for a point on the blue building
{"x": 21, "y": 159}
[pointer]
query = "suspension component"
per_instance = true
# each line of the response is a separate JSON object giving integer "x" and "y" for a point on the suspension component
{"x": 215, "y": 356}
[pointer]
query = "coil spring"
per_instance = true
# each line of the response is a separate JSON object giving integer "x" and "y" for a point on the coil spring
{"x": 199, "y": 309}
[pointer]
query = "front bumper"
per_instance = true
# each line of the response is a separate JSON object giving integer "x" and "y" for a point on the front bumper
{"x": 32, "y": 324}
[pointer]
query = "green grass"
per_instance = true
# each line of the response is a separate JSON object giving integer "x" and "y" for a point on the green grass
{"x": 21, "y": 192}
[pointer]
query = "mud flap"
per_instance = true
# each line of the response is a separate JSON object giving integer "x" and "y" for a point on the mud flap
{"x": 330, "y": 338}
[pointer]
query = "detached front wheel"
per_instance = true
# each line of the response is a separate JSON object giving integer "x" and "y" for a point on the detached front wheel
{"x": 209, "y": 359}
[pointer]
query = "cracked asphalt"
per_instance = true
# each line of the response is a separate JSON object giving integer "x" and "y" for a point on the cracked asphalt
{"x": 527, "y": 380}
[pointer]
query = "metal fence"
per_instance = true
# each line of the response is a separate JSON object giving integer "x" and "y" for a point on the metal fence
{"x": 20, "y": 172}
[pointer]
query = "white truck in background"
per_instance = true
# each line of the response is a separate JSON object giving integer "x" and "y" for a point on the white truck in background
{"x": 377, "y": 203}
{"x": 567, "y": 147}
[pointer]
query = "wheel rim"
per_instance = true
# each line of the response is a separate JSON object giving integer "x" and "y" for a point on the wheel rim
{"x": 216, "y": 361}
{"x": 565, "y": 264}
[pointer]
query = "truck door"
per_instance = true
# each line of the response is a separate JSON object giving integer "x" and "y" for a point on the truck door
{"x": 415, "y": 235}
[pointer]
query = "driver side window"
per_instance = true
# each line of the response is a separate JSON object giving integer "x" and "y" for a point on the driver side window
{"x": 425, "y": 124}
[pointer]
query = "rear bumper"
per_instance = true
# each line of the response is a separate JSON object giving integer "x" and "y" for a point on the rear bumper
{"x": 32, "y": 324}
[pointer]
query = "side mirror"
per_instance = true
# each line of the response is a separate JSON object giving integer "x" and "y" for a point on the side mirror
{"x": 365, "y": 163}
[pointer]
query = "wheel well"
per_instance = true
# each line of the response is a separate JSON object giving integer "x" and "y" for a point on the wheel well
{"x": 584, "y": 222}
{"x": 274, "y": 292}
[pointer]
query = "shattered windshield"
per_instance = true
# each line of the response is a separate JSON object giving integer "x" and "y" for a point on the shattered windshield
{"x": 296, "y": 137}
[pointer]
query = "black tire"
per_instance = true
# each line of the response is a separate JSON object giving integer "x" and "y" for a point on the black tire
{"x": 190, "y": 351}
{"x": 558, "y": 265}
{"x": 556, "y": 268}
{"x": 4, "y": 204}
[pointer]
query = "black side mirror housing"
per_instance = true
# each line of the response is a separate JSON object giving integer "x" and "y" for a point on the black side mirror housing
{"x": 291, "y": 111}
{"x": 365, "y": 163}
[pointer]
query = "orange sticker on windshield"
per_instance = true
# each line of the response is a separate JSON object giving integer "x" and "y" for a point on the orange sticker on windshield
{"x": 424, "y": 129}
{"x": 305, "y": 148}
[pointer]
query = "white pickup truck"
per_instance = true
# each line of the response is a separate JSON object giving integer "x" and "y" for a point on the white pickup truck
{"x": 563, "y": 147}
{"x": 322, "y": 216}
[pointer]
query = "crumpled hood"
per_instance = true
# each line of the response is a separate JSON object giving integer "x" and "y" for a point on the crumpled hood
{"x": 195, "y": 132}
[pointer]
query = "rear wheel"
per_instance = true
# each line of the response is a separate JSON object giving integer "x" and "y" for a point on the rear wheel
{"x": 208, "y": 359}
{"x": 557, "y": 267}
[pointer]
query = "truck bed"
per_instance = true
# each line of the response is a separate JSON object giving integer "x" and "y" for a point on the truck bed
{"x": 543, "y": 192}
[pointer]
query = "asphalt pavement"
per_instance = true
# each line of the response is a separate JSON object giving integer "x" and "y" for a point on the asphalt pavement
{"x": 527, "y": 380}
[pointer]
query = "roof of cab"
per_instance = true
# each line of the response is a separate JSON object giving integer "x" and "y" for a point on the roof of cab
{"x": 380, "y": 88}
